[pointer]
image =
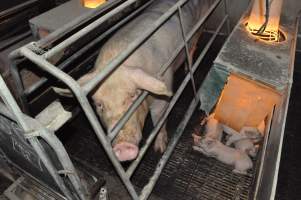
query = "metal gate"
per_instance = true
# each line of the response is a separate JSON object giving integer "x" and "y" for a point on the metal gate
{"x": 36, "y": 54}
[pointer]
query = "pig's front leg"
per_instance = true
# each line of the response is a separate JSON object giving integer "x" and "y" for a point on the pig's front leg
{"x": 156, "y": 109}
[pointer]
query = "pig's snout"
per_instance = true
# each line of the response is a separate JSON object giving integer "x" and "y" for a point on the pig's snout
{"x": 125, "y": 151}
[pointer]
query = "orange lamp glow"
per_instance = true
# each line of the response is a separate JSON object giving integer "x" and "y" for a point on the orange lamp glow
{"x": 245, "y": 102}
{"x": 257, "y": 18}
{"x": 92, "y": 3}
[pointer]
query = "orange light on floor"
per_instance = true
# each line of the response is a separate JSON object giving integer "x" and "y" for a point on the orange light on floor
{"x": 244, "y": 102}
{"x": 257, "y": 19}
{"x": 92, "y": 3}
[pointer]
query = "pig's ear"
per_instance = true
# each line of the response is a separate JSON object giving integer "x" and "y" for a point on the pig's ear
{"x": 144, "y": 81}
{"x": 81, "y": 81}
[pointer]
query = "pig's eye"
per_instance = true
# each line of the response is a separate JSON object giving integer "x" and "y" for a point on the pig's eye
{"x": 135, "y": 95}
{"x": 99, "y": 106}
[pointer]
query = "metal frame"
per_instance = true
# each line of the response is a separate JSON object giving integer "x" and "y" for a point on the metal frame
{"x": 31, "y": 187}
{"x": 33, "y": 130}
{"x": 18, "y": 115}
{"x": 29, "y": 52}
{"x": 23, "y": 93}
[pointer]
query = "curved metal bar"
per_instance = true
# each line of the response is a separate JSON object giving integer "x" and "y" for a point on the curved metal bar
{"x": 176, "y": 96}
{"x": 81, "y": 97}
{"x": 13, "y": 106}
{"x": 61, "y": 46}
{"x": 83, "y": 50}
{"x": 80, "y": 94}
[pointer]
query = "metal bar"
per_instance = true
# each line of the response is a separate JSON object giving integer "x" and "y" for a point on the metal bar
{"x": 55, "y": 144}
{"x": 162, "y": 119}
{"x": 81, "y": 19}
{"x": 113, "y": 133}
{"x": 147, "y": 189}
{"x": 12, "y": 10}
{"x": 83, "y": 50}
{"x": 226, "y": 13}
{"x": 188, "y": 58}
{"x": 16, "y": 39}
{"x": 64, "y": 158}
{"x": 292, "y": 62}
{"x": 50, "y": 167}
{"x": 61, "y": 46}
{"x": 12, "y": 105}
{"x": 206, "y": 15}
{"x": 162, "y": 70}
{"x": 80, "y": 95}
{"x": 131, "y": 48}
{"x": 82, "y": 99}
{"x": 19, "y": 85}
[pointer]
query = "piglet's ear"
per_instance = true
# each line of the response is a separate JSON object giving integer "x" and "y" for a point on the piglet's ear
{"x": 210, "y": 143}
{"x": 144, "y": 81}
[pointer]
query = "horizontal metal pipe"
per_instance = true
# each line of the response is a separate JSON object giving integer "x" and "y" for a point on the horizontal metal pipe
{"x": 82, "y": 99}
{"x": 83, "y": 50}
{"x": 16, "y": 39}
{"x": 17, "y": 8}
{"x": 131, "y": 48}
{"x": 71, "y": 25}
{"x": 61, "y": 46}
{"x": 176, "y": 96}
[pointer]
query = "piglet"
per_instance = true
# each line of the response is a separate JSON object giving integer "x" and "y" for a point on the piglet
{"x": 214, "y": 148}
{"x": 251, "y": 133}
{"x": 214, "y": 129}
{"x": 247, "y": 146}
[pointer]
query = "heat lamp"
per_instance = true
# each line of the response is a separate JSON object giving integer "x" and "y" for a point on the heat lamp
{"x": 92, "y": 3}
{"x": 264, "y": 19}
{"x": 252, "y": 73}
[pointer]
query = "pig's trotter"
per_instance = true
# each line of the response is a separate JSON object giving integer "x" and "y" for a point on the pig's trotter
{"x": 156, "y": 109}
{"x": 236, "y": 171}
{"x": 161, "y": 141}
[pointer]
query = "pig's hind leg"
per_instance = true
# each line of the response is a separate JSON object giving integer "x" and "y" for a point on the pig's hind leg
{"x": 157, "y": 108}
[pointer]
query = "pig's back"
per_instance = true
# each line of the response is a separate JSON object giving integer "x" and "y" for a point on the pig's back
{"x": 155, "y": 51}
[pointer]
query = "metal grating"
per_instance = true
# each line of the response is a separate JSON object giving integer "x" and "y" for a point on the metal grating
{"x": 190, "y": 175}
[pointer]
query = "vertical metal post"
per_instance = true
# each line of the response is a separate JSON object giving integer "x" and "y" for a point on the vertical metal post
{"x": 228, "y": 20}
{"x": 188, "y": 57}
{"x": 15, "y": 72}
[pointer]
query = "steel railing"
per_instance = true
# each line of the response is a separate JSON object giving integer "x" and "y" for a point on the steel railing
{"x": 81, "y": 92}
